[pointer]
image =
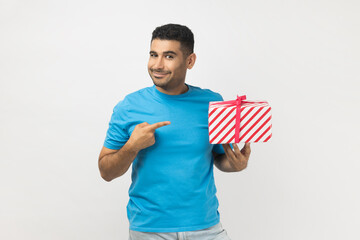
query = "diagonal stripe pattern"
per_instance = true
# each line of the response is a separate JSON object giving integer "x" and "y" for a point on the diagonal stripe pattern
{"x": 255, "y": 122}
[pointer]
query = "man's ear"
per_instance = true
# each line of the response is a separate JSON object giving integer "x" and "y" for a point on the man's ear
{"x": 191, "y": 60}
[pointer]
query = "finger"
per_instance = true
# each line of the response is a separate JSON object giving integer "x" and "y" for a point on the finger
{"x": 236, "y": 149}
{"x": 158, "y": 125}
{"x": 246, "y": 150}
{"x": 229, "y": 152}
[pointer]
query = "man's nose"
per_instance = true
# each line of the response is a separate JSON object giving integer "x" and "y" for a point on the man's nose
{"x": 159, "y": 64}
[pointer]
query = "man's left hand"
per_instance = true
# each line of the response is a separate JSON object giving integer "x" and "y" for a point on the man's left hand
{"x": 237, "y": 158}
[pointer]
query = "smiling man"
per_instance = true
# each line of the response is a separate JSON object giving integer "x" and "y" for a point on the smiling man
{"x": 162, "y": 131}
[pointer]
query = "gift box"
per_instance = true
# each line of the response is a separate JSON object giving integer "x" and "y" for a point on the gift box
{"x": 239, "y": 120}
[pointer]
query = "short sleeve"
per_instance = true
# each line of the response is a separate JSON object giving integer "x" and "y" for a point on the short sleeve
{"x": 117, "y": 134}
{"x": 218, "y": 148}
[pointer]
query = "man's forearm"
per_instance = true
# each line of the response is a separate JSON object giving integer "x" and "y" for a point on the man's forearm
{"x": 114, "y": 165}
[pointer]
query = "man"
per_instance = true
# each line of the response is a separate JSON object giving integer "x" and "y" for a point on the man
{"x": 163, "y": 132}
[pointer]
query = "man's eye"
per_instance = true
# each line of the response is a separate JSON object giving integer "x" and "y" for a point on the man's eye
{"x": 169, "y": 56}
{"x": 153, "y": 55}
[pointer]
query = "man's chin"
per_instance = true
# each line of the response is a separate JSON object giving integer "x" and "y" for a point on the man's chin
{"x": 160, "y": 83}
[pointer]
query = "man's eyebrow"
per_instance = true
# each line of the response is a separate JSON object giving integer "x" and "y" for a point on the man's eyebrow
{"x": 171, "y": 52}
{"x": 167, "y": 52}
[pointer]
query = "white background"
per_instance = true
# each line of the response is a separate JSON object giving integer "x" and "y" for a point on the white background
{"x": 65, "y": 64}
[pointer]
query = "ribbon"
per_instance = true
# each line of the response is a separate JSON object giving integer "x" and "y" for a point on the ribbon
{"x": 238, "y": 102}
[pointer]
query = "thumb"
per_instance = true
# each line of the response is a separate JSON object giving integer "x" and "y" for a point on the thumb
{"x": 143, "y": 124}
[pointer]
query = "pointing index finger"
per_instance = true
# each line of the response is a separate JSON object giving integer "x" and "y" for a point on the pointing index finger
{"x": 159, "y": 124}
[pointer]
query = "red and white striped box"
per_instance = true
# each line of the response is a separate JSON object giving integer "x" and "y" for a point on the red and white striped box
{"x": 239, "y": 120}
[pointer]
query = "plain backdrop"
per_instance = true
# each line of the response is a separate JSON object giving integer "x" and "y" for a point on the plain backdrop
{"x": 64, "y": 65}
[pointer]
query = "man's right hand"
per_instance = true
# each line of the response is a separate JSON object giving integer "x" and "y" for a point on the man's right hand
{"x": 143, "y": 135}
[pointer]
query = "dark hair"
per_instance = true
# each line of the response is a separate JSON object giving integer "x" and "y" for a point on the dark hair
{"x": 176, "y": 32}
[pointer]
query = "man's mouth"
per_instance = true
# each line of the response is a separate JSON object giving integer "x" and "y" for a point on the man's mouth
{"x": 160, "y": 74}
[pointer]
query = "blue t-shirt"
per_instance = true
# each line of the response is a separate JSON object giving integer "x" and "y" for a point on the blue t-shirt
{"x": 173, "y": 188}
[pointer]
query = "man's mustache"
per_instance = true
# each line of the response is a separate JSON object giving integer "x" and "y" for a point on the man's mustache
{"x": 159, "y": 71}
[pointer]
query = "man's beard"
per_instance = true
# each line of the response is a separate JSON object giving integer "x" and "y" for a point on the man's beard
{"x": 162, "y": 83}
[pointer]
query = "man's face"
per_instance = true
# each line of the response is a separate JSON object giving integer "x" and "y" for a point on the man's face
{"x": 167, "y": 64}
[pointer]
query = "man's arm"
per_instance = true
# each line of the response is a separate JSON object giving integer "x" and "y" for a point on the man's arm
{"x": 115, "y": 163}
{"x": 232, "y": 161}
